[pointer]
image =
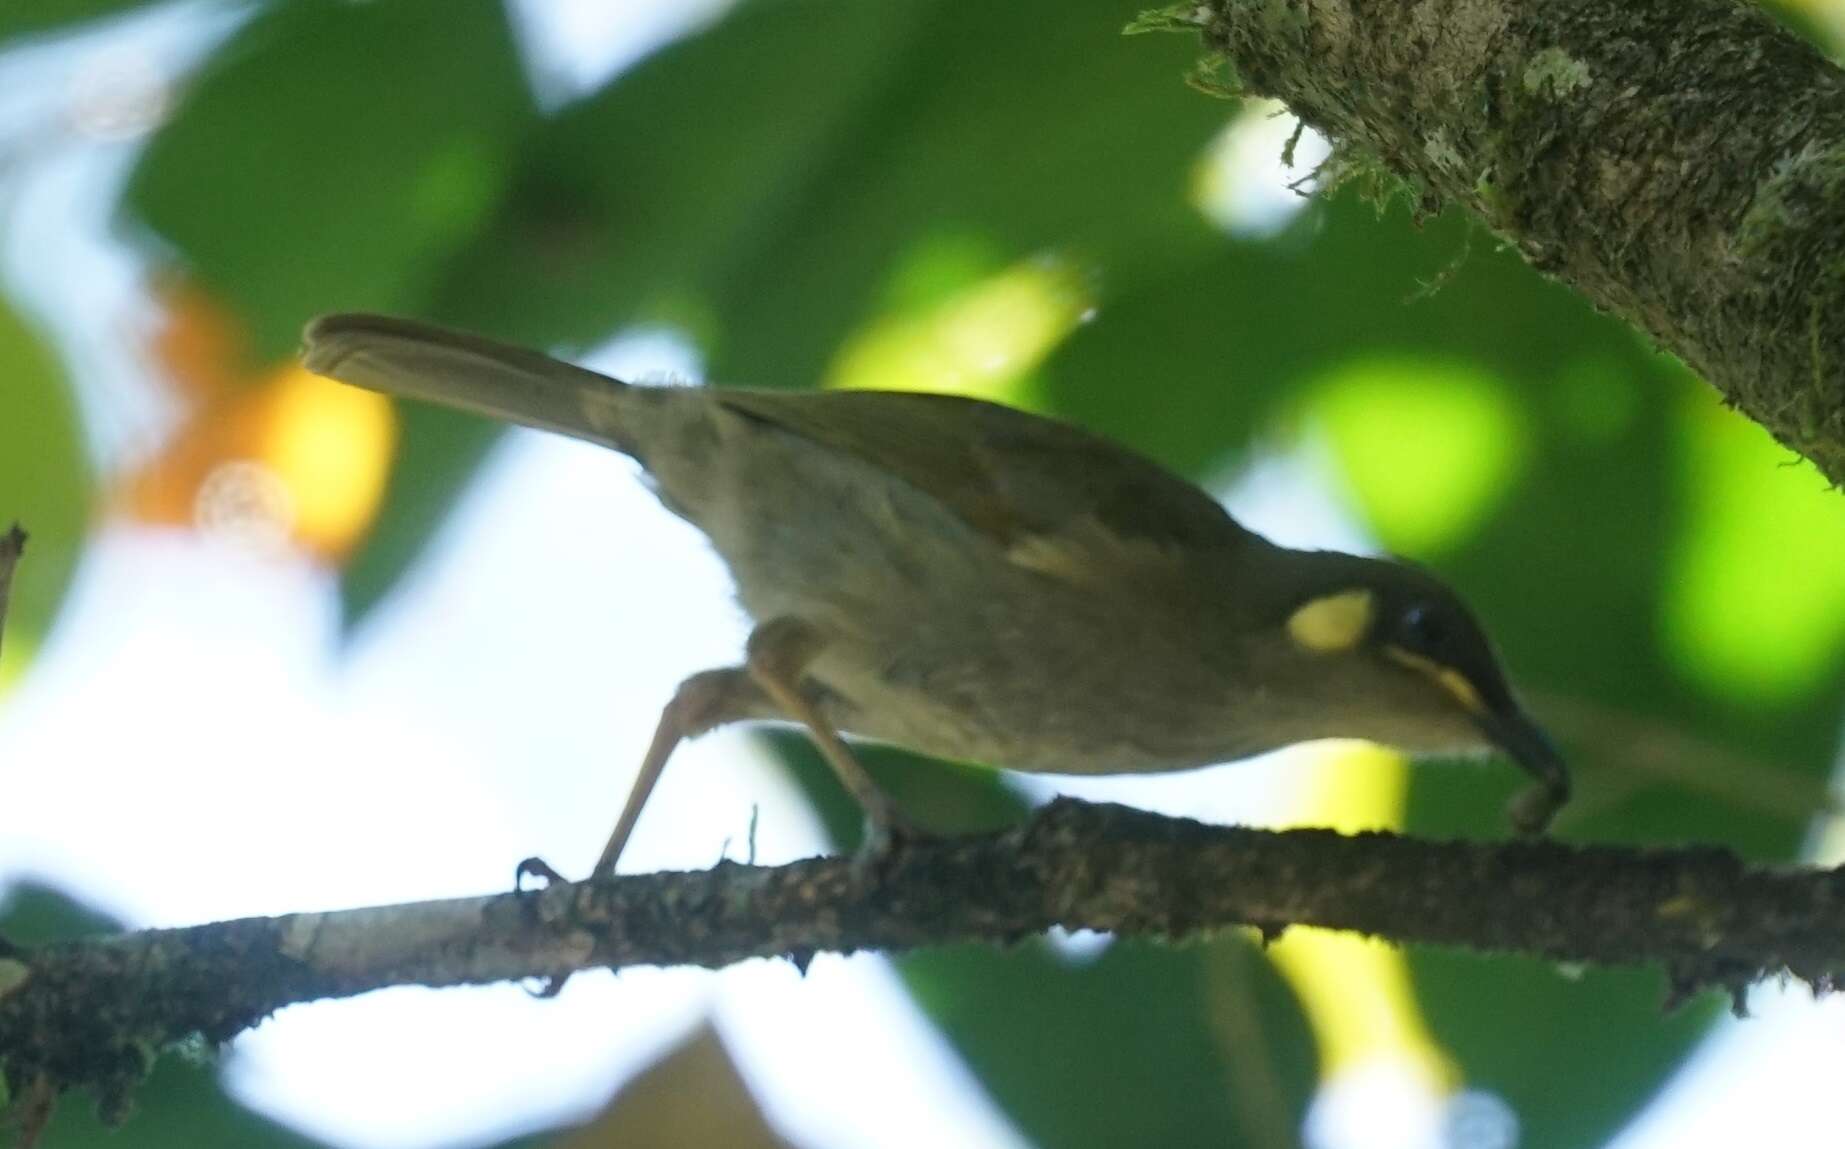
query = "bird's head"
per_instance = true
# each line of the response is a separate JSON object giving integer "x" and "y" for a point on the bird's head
{"x": 1382, "y": 650}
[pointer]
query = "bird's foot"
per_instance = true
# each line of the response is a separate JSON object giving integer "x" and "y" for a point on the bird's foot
{"x": 535, "y": 867}
{"x": 888, "y": 836}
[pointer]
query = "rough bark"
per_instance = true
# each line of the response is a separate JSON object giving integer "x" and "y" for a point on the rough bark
{"x": 1679, "y": 162}
{"x": 94, "y": 1012}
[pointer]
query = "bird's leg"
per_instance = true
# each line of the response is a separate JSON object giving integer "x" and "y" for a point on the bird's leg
{"x": 702, "y": 703}
{"x": 779, "y": 651}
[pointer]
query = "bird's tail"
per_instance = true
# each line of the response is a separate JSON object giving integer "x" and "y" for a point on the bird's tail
{"x": 422, "y": 361}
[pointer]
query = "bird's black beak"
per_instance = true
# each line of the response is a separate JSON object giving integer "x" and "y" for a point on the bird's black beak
{"x": 1513, "y": 731}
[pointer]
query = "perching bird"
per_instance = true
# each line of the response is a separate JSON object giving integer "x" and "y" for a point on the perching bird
{"x": 977, "y": 583}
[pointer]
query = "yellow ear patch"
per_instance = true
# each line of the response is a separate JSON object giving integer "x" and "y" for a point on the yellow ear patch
{"x": 1334, "y": 622}
{"x": 1446, "y": 677}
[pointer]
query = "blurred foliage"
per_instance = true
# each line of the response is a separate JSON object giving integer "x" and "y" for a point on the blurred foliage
{"x": 650, "y": 1112}
{"x": 819, "y": 191}
{"x": 41, "y": 17}
{"x": 352, "y": 150}
{"x": 1125, "y": 1048}
{"x": 332, "y": 155}
{"x": 265, "y": 452}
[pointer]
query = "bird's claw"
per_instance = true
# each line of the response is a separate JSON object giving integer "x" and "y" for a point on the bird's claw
{"x": 888, "y": 835}
{"x": 546, "y": 988}
{"x": 535, "y": 867}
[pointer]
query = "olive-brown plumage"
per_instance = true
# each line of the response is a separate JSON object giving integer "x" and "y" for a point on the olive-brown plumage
{"x": 975, "y": 582}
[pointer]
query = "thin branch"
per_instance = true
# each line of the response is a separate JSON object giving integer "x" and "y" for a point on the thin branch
{"x": 1681, "y": 163}
{"x": 87, "y": 1012}
{"x": 1644, "y": 749}
{"x": 12, "y": 545}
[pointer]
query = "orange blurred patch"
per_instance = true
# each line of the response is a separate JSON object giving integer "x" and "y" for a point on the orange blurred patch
{"x": 199, "y": 346}
{"x": 270, "y": 458}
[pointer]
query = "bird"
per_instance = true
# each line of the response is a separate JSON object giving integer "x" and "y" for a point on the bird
{"x": 978, "y": 583}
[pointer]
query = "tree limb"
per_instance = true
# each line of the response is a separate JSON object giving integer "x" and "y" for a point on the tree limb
{"x": 91, "y": 1012}
{"x": 1679, "y": 162}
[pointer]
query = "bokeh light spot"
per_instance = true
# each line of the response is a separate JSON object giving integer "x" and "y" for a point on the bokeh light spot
{"x": 1754, "y": 603}
{"x": 330, "y": 446}
{"x": 1477, "y": 1119}
{"x": 982, "y": 336}
{"x": 260, "y": 457}
{"x": 118, "y": 95}
{"x": 1426, "y": 449}
{"x": 1357, "y": 993}
{"x": 1243, "y": 182}
{"x": 245, "y": 504}
{"x": 1381, "y": 1104}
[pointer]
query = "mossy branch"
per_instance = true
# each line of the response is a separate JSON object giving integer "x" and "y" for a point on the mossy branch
{"x": 90, "y": 1013}
{"x": 1679, "y": 162}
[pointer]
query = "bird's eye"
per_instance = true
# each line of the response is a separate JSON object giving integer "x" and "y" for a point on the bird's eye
{"x": 1421, "y": 629}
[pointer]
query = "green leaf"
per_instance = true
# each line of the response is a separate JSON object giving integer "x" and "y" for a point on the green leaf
{"x": 1521, "y": 1029}
{"x": 989, "y": 128}
{"x": 333, "y": 155}
{"x": 180, "y": 1105}
{"x": 640, "y": 199}
{"x": 1147, "y": 1044}
{"x": 1221, "y": 351}
{"x": 45, "y": 485}
{"x": 23, "y": 18}
{"x": 770, "y": 175}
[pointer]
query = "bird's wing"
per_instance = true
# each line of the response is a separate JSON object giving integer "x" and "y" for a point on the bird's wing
{"x": 1052, "y": 494}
